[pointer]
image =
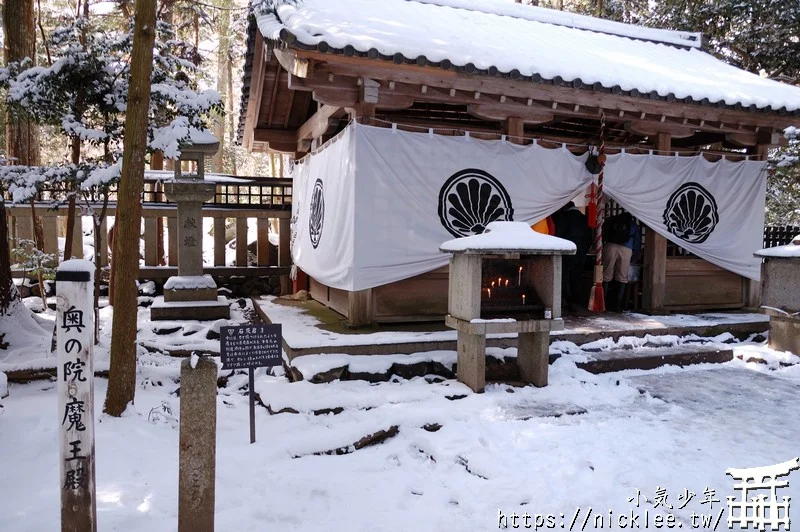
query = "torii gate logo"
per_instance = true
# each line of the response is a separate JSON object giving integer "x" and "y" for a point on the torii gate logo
{"x": 470, "y": 200}
{"x": 316, "y": 218}
{"x": 756, "y": 508}
{"x": 691, "y": 213}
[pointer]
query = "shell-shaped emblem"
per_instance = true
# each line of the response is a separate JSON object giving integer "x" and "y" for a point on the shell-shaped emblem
{"x": 317, "y": 217}
{"x": 691, "y": 213}
{"x": 470, "y": 200}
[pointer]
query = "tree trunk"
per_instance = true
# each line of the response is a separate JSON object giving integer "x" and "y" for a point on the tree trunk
{"x": 75, "y": 147}
{"x": 71, "y": 214}
{"x": 22, "y": 136}
{"x": 231, "y": 114}
{"x": 122, "y": 374}
{"x": 8, "y": 292}
{"x": 224, "y": 35}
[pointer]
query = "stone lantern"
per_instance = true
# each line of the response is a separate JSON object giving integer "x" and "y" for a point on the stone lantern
{"x": 780, "y": 295}
{"x": 190, "y": 294}
{"x": 526, "y": 300}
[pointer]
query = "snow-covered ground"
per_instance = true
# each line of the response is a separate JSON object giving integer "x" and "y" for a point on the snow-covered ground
{"x": 453, "y": 460}
{"x": 499, "y": 451}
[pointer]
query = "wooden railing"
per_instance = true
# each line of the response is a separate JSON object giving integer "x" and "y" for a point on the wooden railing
{"x": 268, "y": 201}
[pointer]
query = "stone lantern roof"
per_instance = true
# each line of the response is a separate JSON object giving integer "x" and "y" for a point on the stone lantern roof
{"x": 201, "y": 144}
{"x": 509, "y": 237}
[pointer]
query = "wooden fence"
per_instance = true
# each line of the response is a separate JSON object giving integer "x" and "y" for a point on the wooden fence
{"x": 268, "y": 201}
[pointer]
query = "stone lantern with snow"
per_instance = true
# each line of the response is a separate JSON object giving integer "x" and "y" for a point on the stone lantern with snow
{"x": 190, "y": 294}
{"x": 780, "y": 294}
{"x": 505, "y": 280}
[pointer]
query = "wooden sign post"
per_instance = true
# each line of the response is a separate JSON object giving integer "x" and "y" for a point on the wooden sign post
{"x": 250, "y": 347}
{"x": 74, "y": 323}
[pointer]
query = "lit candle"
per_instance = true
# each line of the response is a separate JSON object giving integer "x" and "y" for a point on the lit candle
{"x": 519, "y": 278}
{"x": 492, "y": 284}
{"x": 490, "y": 293}
{"x": 499, "y": 281}
{"x": 506, "y": 283}
{"x": 523, "y": 299}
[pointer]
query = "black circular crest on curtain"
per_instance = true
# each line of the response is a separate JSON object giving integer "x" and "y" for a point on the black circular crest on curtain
{"x": 691, "y": 213}
{"x": 470, "y": 200}
{"x": 316, "y": 219}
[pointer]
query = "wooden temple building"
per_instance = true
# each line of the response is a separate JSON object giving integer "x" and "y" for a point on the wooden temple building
{"x": 495, "y": 68}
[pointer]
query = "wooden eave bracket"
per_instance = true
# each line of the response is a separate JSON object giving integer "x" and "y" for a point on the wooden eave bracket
{"x": 299, "y": 67}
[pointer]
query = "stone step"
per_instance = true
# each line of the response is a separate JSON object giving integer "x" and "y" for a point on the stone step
{"x": 650, "y": 358}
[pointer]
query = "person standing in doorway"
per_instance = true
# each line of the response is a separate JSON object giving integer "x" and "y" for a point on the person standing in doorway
{"x": 621, "y": 241}
{"x": 571, "y": 224}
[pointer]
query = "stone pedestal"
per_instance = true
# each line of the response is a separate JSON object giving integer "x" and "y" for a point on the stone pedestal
{"x": 190, "y": 295}
{"x": 533, "y": 348}
{"x": 533, "y": 357}
{"x": 471, "y": 361}
{"x": 784, "y": 334}
{"x": 780, "y": 295}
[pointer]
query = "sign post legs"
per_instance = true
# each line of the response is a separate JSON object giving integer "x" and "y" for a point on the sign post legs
{"x": 252, "y": 406}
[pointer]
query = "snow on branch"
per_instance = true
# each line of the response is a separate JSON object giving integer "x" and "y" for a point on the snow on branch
{"x": 25, "y": 182}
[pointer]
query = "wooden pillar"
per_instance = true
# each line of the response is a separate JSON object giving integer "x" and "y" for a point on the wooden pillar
{"x": 77, "y": 236}
{"x": 241, "y": 241}
{"x": 362, "y": 110}
{"x": 262, "y": 241}
{"x": 284, "y": 242}
{"x": 150, "y": 245}
{"x": 514, "y": 128}
{"x": 103, "y": 242}
{"x": 219, "y": 242}
{"x": 654, "y": 274}
{"x": 752, "y": 294}
{"x": 50, "y": 227}
{"x": 360, "y": 309}
{"x": 157, "y": 163}
{"x": 172, "y": 241}
{"x": 12, "y": 230}
{"x": 24, "y": 228}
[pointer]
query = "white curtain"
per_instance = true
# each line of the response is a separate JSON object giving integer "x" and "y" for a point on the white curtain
{"x": 713, "y": 209}
{"x": 373, "y": 207}
{"x": 323, "y": 211}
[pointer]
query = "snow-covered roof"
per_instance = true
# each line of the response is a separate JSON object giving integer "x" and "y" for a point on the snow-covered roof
{"x": 788, "y": 251}
{"x": 510, "y": 237}
{"x": 500, "y": 37}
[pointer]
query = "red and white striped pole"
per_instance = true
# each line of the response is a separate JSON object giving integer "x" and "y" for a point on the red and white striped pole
{"x": 596, "y": 297}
